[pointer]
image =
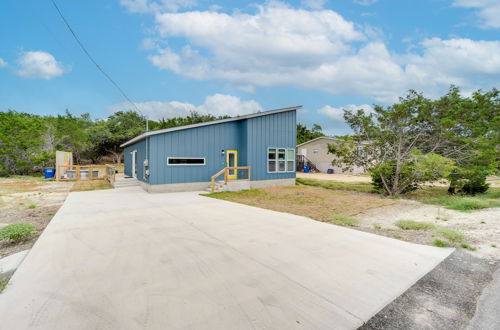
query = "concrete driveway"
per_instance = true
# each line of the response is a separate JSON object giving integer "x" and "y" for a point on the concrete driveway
{"x": 126, "y": 259}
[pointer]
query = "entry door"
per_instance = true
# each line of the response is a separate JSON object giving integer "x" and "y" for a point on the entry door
{"x": 232, "y": 161}
{"x": 134, "y": 163}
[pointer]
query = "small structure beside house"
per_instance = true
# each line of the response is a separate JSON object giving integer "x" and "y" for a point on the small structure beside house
{"x": 251, "y": 151}
{"x": 314, "y": 153}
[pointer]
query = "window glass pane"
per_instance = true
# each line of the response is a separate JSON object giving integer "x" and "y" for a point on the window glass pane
{"x": 272, "y": 154}
{"x": 290, "y": 166}
{"x": 281, "y": 154}
{"x": 272, "y": 166}
{"x": 290, "y": 154}
{"x": 281, "y": 166}
{"x": 186, "y": 161}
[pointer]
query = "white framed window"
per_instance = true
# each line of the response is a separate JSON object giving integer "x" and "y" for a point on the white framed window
{"x": 280, "y": 160}
{"x": 186, "y": 161}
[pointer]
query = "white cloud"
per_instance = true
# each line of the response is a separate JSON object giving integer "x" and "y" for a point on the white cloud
{"x": 338, "y": 113}
{"x": 39, "y": 65}
{"x": 217, "y": 105}
{"x": 148, "y": 6}
{"x": 314, "y": 4}
{"x": 279, "y": 45}
{"x": 365, "y": 2}
{"x": 457, "y": 61}
{"x": 488, "y": 11}
{"x": 2, "y": 63}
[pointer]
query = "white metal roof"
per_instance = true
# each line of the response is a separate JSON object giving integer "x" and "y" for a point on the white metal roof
{"x": 213, "y": 122}
{"x": 315, "y": 139}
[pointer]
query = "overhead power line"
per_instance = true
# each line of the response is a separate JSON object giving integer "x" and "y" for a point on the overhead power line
{"x": 84, "y": 49}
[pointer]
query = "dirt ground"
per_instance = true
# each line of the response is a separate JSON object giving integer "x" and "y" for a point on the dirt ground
{"x": 481, "y": 228}
{"x": 314, "y": 202}
{"x": 493, "y": 181}
{"x": 335, "y": 177}
{"x": 31, "y": 200}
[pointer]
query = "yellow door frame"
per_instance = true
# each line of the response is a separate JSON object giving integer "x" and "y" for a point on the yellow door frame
{"x": 234, "y": 174}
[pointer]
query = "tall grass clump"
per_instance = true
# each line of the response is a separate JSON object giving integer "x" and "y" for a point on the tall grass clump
{"x": 17, "y": 232}
{"x": 344, "y": 220}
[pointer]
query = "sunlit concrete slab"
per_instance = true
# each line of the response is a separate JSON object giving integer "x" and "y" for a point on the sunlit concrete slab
{"x": 126, "y": 259}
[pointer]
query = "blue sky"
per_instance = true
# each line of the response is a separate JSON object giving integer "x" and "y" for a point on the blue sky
{"x": 227, "y": 57}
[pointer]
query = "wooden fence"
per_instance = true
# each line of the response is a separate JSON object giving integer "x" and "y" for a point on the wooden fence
{"x": 87, "y": 172}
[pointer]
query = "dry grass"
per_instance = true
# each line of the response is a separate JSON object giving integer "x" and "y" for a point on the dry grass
{"x": 440, "y": 196}
{"x": 91, "y": 185}
{"x": 313, "y": 202}
{"x": 32, "y": 200}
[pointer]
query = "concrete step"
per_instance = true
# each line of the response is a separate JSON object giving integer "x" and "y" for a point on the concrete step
{"x": 126, "y": 183}
{"x": 219, "y": 186}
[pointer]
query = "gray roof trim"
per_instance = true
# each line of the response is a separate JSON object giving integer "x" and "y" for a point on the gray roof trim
{"x": 315, "y": 139}
{"x": 214, "y": 122}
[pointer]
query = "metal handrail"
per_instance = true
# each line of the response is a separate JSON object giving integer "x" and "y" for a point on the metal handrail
{"x": 225, "y": 170}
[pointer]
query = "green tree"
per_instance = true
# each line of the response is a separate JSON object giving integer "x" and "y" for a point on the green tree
{"x": 389, "y": 144}
{"x": 70, "y": 133}
{"x": 108, "y": 135}
{"x": 194, "y": 117}
{"x": 22, "y": 143}
{"x": 304, "y": 134}
{"x": 467, "y": 130}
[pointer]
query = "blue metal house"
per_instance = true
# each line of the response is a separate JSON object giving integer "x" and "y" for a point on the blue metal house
{"x": 250, "y": 151}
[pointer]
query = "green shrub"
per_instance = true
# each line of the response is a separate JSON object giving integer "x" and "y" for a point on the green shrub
{"x": 440, "y": 243}
{"x": 17, "y": 231}
{"x": 468, "y": 247}
{"x": 474, "y": 186}
{"x": 344, "y": 220}
{"x": 3, "y": 283}
{"x": 450, "y": 234}
{"x": 414, "y": 225}
{"x": 388, "y": 171}
{"x": 470, "y": 204}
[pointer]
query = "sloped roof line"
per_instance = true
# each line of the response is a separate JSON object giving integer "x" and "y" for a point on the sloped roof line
{"x": 315, "y": 139}
{"x": 208, "y": 123}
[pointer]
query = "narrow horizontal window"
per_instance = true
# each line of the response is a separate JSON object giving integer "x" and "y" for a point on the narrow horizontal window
{"x": 185, "y": 161}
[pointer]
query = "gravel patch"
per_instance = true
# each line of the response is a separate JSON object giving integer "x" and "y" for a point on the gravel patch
{"x": 481, "y": 228}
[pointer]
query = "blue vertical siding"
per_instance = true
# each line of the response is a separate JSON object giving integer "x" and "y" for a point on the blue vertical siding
{"x": 141, "y": 156}
{"x": 272, "y": 131}
{"x": 205, "y": 141}
{"x": 251, "y": 137}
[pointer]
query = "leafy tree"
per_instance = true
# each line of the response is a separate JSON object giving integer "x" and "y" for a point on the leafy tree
{"x": 471, "y": 130}
{"x": 464, "y": 131}
{"x": 388, "y": 143}
{"x": 69, "y": 132}
{"x": 22, "y": 143}
{"x": 304, "y": 134}
{"x": 193, "y": 118}
{"x": 108, "y": 135}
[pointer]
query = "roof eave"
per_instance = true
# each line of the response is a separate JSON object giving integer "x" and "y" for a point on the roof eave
{"x": 214, "y": 122}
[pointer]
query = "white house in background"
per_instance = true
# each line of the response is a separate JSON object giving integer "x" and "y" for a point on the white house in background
{"x": 315, "y": 152}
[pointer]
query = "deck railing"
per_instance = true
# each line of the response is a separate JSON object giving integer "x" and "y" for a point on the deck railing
{"x": 228, "y": 174}
{"x": 87, "y": 172}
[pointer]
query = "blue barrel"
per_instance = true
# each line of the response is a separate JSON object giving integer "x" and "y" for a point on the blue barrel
{"x": 307, "y": 169}
{"x": 49, "y": 172}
